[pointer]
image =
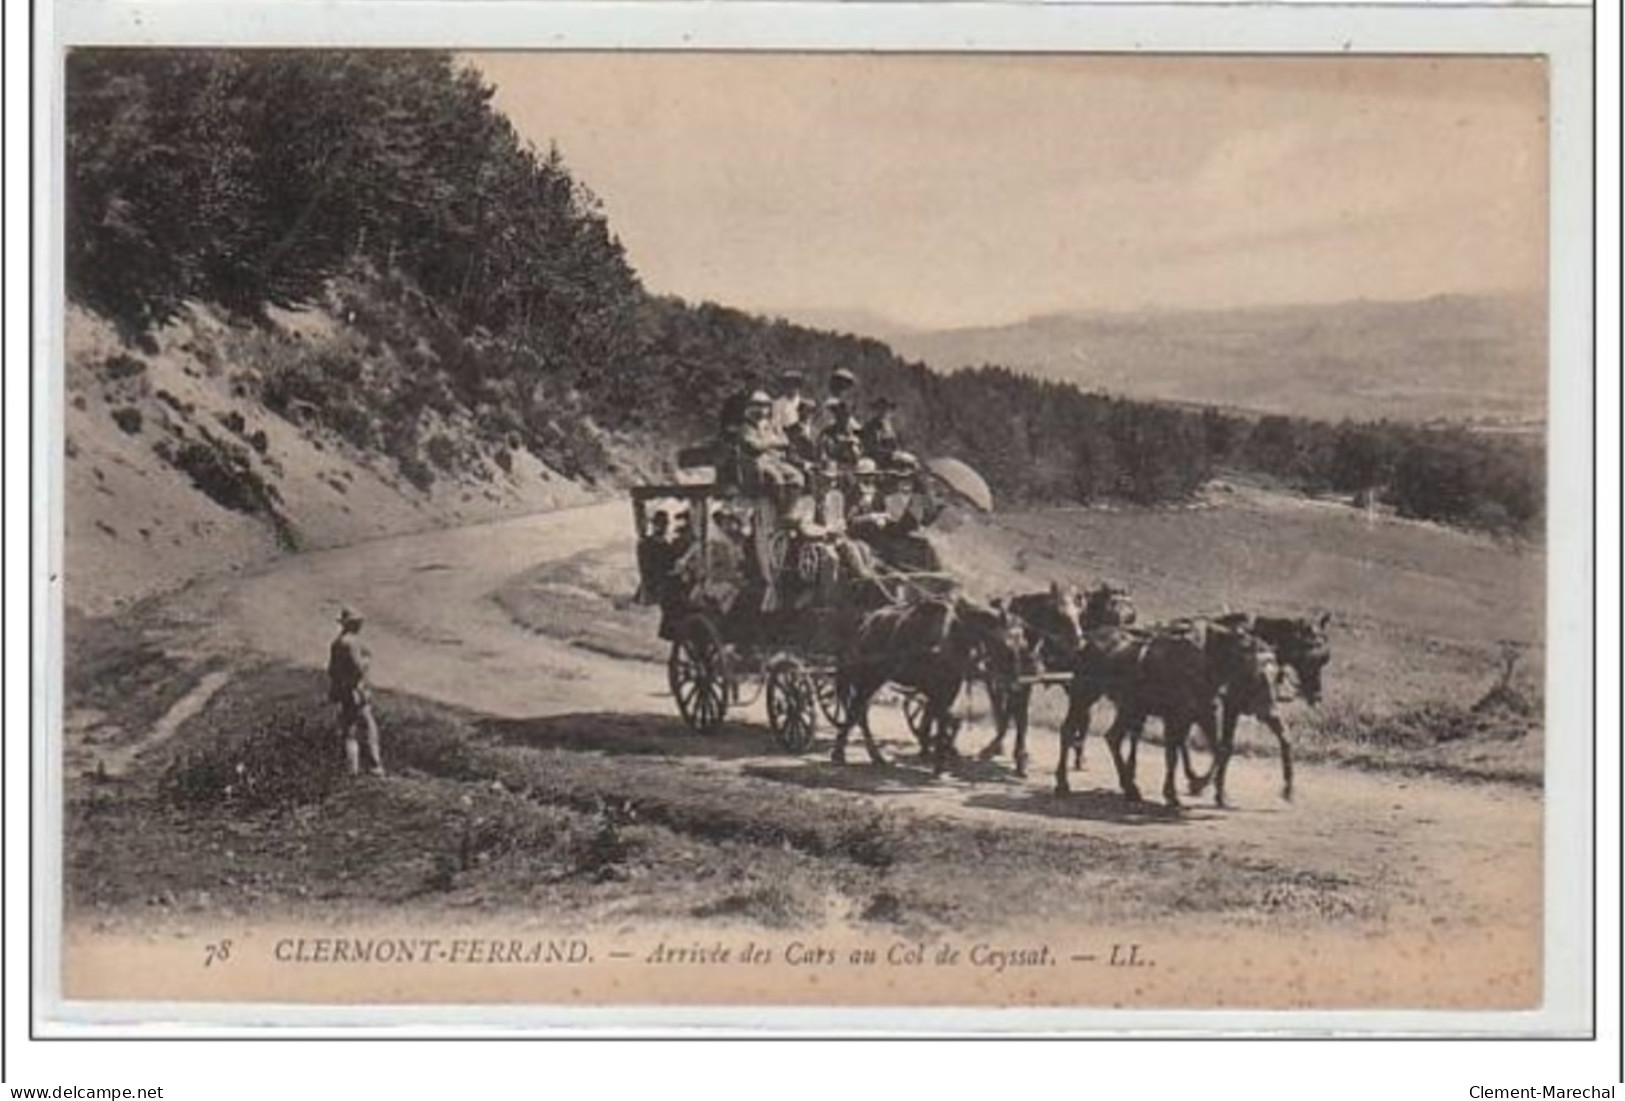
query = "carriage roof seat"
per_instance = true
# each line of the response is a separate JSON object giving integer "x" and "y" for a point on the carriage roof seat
{"x": 705, "y": 454}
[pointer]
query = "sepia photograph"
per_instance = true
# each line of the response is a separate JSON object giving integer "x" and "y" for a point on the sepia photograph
{"x": 839, "y": 529}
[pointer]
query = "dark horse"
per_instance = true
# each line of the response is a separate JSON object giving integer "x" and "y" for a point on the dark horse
{"x": 1179, "y": 674}
{"x": 1300, "y": 645}
{"x": 931, "y": 646}
{"x": 1054, "y": 623}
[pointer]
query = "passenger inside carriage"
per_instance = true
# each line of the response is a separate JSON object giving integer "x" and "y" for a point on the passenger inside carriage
{"x": 657, "y": 555}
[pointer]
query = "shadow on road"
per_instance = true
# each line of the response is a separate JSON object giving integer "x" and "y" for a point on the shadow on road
{"x": 859, "y": 776}
{"x": 630, "y": 734}
{"x": 1098, "y": 805}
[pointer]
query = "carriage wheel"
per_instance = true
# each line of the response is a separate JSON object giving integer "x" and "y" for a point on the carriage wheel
{"x": 698, "y": 675}
{"x": 915, "y": 713}
{"x": 829, "y": 701}
{"x": 792, "y": 705}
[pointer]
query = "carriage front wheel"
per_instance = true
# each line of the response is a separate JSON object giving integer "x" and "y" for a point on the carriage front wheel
{"x": 829, "y": 700}
{"x": 697, "y": 672}
{"x": 792, "y": 705}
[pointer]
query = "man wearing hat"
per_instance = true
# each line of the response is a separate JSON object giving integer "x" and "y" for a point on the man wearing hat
{"x": 866, "y": 515}
{"x": 347, "y": 665}
{"x": 843, "y": 385}
{"x": 787, "y": 403}
{"x": 838, "y": 442}
{"x": 732, "y": 418}
{"x": 881, "y": 441}
{"x": 791, "y": 412}
{"x": 767, "y": 446}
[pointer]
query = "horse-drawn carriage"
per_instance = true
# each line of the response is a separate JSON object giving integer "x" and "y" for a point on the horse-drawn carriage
{"x": 757, "y": 601}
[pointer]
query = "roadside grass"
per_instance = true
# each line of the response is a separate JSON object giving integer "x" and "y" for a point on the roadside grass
{"x": 249, "y": 808}
{"x": 1493, "y": 740}
{"x": 111, "y": 666}
{"x": 587, "y": 601}
{"x": 1419, "y": 612}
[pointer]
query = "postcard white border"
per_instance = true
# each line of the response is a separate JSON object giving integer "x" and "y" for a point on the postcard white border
{"x": 1561, "y": 32}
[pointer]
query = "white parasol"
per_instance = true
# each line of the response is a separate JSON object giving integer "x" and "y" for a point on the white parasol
{"x": 963, "y": 480}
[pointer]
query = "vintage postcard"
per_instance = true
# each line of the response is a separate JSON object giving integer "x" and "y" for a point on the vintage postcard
{"x": 839, "y": 529}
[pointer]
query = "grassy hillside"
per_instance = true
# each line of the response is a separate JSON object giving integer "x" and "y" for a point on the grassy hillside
{"x": 1449, "y": 357}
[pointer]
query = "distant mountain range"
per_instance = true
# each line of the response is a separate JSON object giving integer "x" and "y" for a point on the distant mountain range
{"x": 1456, "y": 357}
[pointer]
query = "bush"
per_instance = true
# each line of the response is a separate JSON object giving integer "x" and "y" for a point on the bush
{"x": 128, "y": 419}
{"x": 278, "y": 764}
{"x": 441, "y": 451}
{"x": 185, "y": 408}
{"x": 352, "y": 421}
{"x": 122, "y": 365}
{"x": 224, "y": 475}
{"x": 416, "y": 471}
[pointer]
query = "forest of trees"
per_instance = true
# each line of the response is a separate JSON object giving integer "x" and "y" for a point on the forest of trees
{"x": 248, "y": 179}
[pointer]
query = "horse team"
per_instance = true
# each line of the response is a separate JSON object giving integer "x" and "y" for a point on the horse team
{"x": 1206, "y": 673}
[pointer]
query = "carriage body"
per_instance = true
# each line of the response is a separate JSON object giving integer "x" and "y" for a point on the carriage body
{"x": 756, "y": 611}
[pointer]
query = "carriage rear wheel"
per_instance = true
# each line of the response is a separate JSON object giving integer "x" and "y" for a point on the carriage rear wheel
{"x": 697, "y": 672}
{"x": 792, "y": 705}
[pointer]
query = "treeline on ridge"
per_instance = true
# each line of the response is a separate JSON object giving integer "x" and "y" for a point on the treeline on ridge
{"x": 489, "y": 279}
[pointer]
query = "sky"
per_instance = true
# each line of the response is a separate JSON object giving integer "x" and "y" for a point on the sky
{"x": 939, "y": 191}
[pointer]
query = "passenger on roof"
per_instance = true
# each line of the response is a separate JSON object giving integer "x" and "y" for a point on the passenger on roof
{"x": 766, "y": 448}
{"x": 732, "y": 419}
{"x": 843, "y": 386}
{"x": 791, "y": 412}
{"x": 880, "y": 439}
{"x": 838, "y": 442}
{"x": 787, "y": 404}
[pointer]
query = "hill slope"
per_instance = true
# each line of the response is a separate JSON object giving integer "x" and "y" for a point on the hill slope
{"x": 175, "y": 468}
{"x": 1445, "y": 357}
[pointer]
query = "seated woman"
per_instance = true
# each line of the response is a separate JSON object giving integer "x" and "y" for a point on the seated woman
{"x": 894, "y": 539}
{"x": 882, "y": 443}
{"x": 767, "y": 450}
{"x": 838, "y": 441}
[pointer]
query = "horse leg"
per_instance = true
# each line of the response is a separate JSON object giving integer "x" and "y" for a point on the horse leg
{"x": 1023, "y": 702}
{"x": 876, "y": 756}
{"x": 854, "y": 708}
{"x": 998, "y": 702}
{"x": 1074, "y": 728}
{"x": 936, "y": 723}
{"x": 1195, "y": 784}
{"x": 1122, "y": 725}
{"x": 1174, "y": 735}
{"x": 1222, "y": 752}
{"x": 1077, "y": 754}
{"x": 1278, "y": 728}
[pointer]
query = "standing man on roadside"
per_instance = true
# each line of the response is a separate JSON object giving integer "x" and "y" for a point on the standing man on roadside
{"x": 347, "y": 667}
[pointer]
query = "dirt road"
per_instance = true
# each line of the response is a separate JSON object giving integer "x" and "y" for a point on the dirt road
{"x": 1456, "y": 867}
